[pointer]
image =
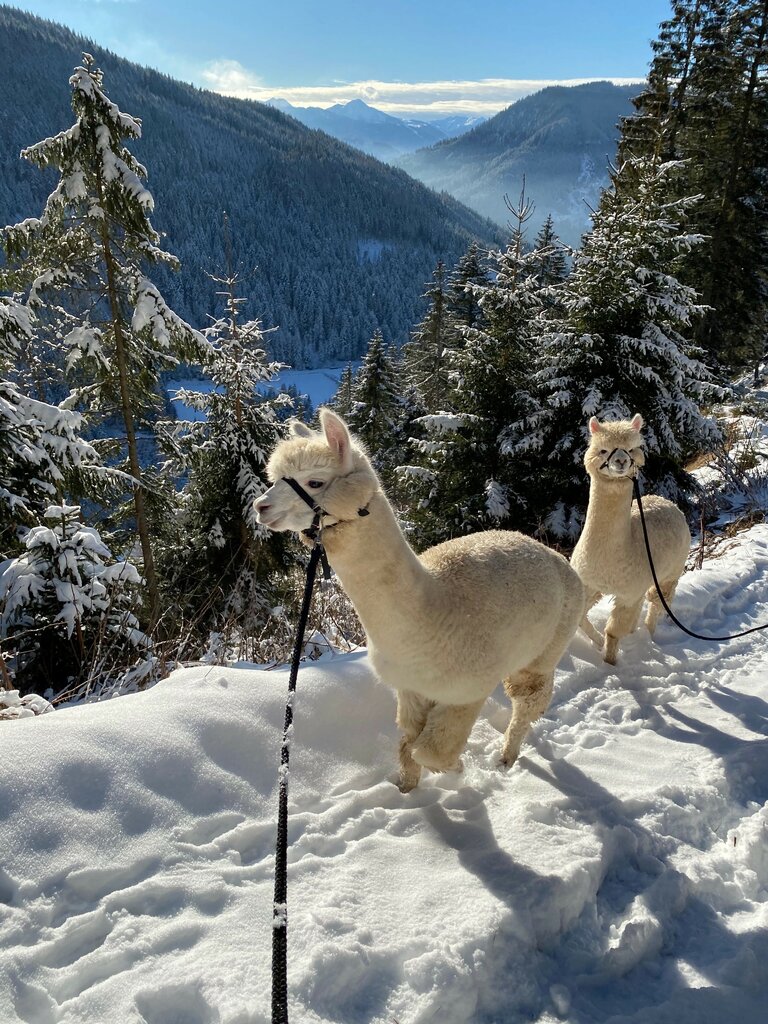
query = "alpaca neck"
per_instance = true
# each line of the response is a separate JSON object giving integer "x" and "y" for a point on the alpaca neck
{"x": 609, "y": 512}
{"x": 379, "y": 571}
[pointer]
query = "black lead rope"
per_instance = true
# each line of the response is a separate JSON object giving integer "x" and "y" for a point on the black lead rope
{"x": 670, "y": 613}
{"x": 280, "y": 905}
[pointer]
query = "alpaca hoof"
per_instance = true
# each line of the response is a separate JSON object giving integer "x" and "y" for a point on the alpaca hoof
{"x": 406, "y": 785}
{"x": 508, "y": 758}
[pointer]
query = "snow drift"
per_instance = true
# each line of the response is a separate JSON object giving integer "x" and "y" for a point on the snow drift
{"x": 617, "y": 873}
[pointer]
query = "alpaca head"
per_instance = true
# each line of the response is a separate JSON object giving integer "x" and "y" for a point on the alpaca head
{"x": 615, "y": 448}
{"x": 330, "y": 467}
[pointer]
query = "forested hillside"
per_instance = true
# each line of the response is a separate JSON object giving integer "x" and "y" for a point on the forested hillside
{"x": 560, "y": 139}
{"x": 333, "y": 244}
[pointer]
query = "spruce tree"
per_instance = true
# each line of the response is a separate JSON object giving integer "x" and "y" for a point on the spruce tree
{"x": 462, "y": 480}
{"x": 215, "y": 557}
{"x": 550, "y": 266}
{"x": 374, "y": 415}
{"x": 425, "y": 356}
{"x": 67, "y": 611}
{"x": 619, "y": 344}
{"x": 706, "y": 104}
{"x": 461, "y": 300}
{"x": 41, "y": 447}
{"x": 90, "y": 249}
{"x": 342, "y": 399}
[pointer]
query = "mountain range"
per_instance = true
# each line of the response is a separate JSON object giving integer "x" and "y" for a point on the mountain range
{"x": 374, "y": 132}
{"x": 559, "y": 141}
{"x": 331, "y": 243}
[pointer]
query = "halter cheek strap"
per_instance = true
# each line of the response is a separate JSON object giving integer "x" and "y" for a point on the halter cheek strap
{"x": 607, "y": 461}
{"x": 315, "y": 529}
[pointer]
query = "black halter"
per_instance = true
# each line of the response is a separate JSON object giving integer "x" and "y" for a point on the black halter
{"x": 314, "y": 531}
{"x": 608, "y": 459}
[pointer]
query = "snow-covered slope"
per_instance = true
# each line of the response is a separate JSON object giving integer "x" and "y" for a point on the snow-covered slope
{"x": 617, "y": 873}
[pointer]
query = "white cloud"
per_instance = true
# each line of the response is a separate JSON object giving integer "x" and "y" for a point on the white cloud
{"x": 486, "y": 96}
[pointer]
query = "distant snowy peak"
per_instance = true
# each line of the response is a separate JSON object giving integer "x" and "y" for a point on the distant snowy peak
{"x": 281, "y": 104}
{"x": 358, "y": 110}
{"x": 381, "y": 135}
{"x": 458, "y": 124}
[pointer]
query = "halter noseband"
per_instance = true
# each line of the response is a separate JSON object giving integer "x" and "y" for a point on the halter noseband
{"x": 610, "y": 456}
{"x": 314, "y": 531}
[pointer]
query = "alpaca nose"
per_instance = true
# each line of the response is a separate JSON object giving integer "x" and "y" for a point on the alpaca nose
{"x": 260, "y": 505}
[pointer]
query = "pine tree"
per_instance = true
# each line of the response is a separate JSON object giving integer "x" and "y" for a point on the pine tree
{"x": 375, "y": 411}
{"x": 342, "y": 399}
{"x": 462, "y": 480}
{"x": 215, "y": 557}
{"x": 617, "y": 346}
{"x": 550, "y": 266}
{"x": 41, "y": 447}
{"x": 67, "y": 611}
{"x": 90, "y": 247}
{"x": 425, "y": 358}
{"x": 461, "y": 300}
{"x": 706, "y": 104}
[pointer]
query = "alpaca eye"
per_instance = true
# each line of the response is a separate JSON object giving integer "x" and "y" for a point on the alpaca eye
{"x": 603, "y": 451}
{"x": 314, "y": 484}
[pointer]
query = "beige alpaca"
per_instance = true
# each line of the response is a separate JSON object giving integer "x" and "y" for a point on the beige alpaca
{"x": 610, "y": 556}
{"x": 444, "y": 627}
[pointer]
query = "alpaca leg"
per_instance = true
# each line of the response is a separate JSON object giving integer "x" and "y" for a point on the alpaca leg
{"x": 412, "y": 711}
{"x": 445, "y": 735}
{"x": 623, "y": 619}
{"x": 655, "y": 607}
{"x": 586, "y": 626}
{"x": 530, "y": 692}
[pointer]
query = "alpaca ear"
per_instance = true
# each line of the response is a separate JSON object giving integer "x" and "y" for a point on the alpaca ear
{"x": 594, "y": 425}
{"x": 337, "y": 436}
{"x": 299, "y": 429}
{"x": 637, "y": 422}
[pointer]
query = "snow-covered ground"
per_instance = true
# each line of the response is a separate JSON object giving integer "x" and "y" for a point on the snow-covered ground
{"x": 318, "y": 385}
{"x": 617, "y": 873}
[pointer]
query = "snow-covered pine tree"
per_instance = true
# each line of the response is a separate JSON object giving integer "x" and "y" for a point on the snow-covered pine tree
{"x": 342, "y": 399}
{"x": 375, "y": 413}
{"x": 461, "y": 300}
{"x": 551, "y": 267}
{"x": 40, "y": 444}
{"x": 425, "y": 356}
{"x": 618, "y": 346}
{"x": 67, "y": 611}
{"x": 706, "y": 103}
{"x": 215, "y": 560}
{"x": 89, "y": 250}
{"x": 462, "y": 481}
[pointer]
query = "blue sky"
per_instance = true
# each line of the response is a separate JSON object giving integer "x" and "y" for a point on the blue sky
{"x": 436, "y": 56}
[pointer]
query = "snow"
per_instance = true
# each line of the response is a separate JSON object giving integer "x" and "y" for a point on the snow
{"x": 617, "y": 873}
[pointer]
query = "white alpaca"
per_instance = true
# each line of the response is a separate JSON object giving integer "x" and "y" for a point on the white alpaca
{"x": 610, "y": 556}
{"x": 444, "y": 627}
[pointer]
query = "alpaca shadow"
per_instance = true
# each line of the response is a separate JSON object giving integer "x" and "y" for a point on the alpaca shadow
{"x": 697, "y": 935}
{"x": 479, "y": 853}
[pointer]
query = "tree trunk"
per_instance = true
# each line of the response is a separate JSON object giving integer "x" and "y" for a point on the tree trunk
{"x": 142, "y": 526}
